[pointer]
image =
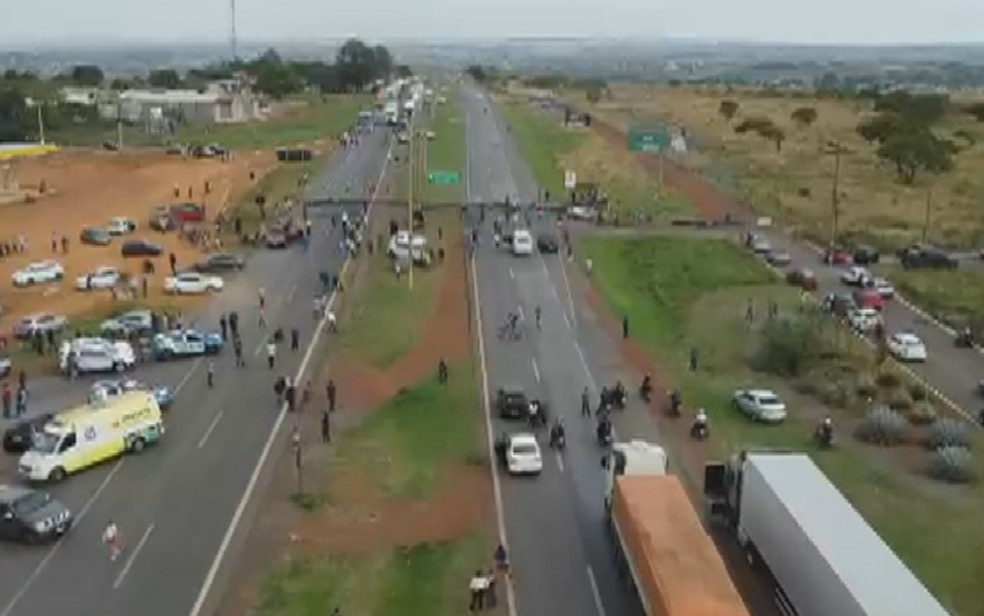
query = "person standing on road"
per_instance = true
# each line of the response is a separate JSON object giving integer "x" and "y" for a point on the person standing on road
{"x": 261, "y": 322}
{"x": 111, "y": 537}
{"x": 330, "y": 390}
{"x": 237, "y": 347}
{"x": 625, "y": 327}
{"x": 325, "y": 428}
{"x": 210, "y": 375}
{"x": 7, "y": 396}
{"x": 290, "y": 394}
{"x": 585, "y": 403}
{"x": 271, "y": 350}
{"x": 295, "y": 339}
{"x": 261, "y": 293}
{"x": 224, "y": 326}
{"x": 234, "y": 323}
{"x": 173, "y": 260}
{"x": 538, "y": 314}
{"x": 21, "y": 401}
{"x": 332, "y": 322}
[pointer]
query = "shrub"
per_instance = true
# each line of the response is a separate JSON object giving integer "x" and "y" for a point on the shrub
{"x": 918, "y": 392}
{"x": 948, "y": 432}
{"x": 888, "y": 379}
{"x": 922, "y": 414}
{"x": 838, "y": 393}
{"x": 882, "y": 426}
{"x": 866, "y": 386}
{"x": 790, "y": 346}
{"x": 953, "y": 465}
{"x": 900, "y": 400}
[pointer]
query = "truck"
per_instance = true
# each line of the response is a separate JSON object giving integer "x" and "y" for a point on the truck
{"x": 391, "y": 111}
{"x": 820, "y": 554}
{"x": 662, "y": 547}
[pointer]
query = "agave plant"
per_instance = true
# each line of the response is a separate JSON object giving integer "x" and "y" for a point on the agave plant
{"x": 882, "y": 426}
{"x": 953, "y": 465}
{"x": 948, "y": 432}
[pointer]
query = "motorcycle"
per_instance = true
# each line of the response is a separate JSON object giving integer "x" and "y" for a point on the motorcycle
{"x": 616, "y": 398}
{"x": 675, "y": 405}
{"x": 965, "y": 340}
{"x": 646, "y": 391}
{"x": 604, "y": 434}
{"x": 699, "y": 431}
{"x": 824, "y": 438}
{"x": 558, "y": 439}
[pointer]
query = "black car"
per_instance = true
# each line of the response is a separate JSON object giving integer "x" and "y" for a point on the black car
{"x": 140, "y": 248}
{"x": 17, "y": 438}
{"x": 30, "y": 516}
{"x": 866, "y": 255}
{"x": 95, "y": 236}
{"x": 926, "y": 258}
{"x": 220, "y": 262}
{"x": 512, "y": 403}
{"x": 547, "y": 244}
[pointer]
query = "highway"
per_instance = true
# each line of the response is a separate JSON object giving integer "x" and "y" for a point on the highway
{"x": 174, "y": 504}
{"x": 555, "y": 523}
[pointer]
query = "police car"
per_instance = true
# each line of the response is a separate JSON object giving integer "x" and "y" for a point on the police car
{"x": 111, "y": 388}
{"x": 186, "y": 343}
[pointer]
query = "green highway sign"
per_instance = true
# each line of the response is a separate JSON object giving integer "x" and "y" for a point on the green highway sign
{"x": 648, "y": 137}
{"x": 443, "y": 177}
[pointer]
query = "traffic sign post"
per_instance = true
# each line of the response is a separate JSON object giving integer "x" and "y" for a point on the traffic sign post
{"x": 444, "y": 177}
{"x": 648, "y": 137}
{"x": 570, "y": 179}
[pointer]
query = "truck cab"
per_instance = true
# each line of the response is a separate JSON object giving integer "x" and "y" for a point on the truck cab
{"x": 632, "y": 458}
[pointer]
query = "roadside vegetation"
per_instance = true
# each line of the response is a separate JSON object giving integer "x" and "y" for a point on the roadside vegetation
{"x": 955, "y": 297}
{"x": 682, "y": 294}
{"x": 445, "y": 153}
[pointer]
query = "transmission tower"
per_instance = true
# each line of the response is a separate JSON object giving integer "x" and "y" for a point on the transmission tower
{"x": 232, "y": 37}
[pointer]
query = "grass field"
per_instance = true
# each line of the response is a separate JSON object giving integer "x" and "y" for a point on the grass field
{"x": 683, "y": 293}
{"x": 795, "y": 184}
{"x": 445, "y": 153}
{"x": 955, "y": 296}
{"x": 552, "y": 149}
{"x": 283, "y": 182}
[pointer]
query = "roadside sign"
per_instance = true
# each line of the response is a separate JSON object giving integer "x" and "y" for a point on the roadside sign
{"x": 570, "y": 179}
{"x": 443, "y": 177}
{"x": 648, "y": 137}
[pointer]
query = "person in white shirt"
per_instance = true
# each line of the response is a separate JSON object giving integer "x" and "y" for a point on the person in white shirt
{"x": 477, "y": 587}
{"x": 271, "y": 349}
{"x": 332, "y": 322}
{"x": 111, "y": 537}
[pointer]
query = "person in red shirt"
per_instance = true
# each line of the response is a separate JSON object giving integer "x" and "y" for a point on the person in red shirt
{"x": 6, "y": 395}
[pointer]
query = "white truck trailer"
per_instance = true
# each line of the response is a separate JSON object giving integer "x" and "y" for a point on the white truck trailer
{"x": 824, "y": 558}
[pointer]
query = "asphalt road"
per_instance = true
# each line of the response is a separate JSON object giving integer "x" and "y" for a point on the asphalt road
{"x": 951, "y": 371}
{"x": 175, "y": 502}
{"x": 555, "y": 523}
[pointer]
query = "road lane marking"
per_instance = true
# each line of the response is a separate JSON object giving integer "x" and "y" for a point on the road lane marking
{"x": 560, "y": 461}
{"x": 213, "y": 570}
{"x": 211, "y": 427}
{"x": 44, "y": 561}
{"x": 519, "y": 310}
{"x": 567, "y": 284}
{"x": 512, "y": 274}
{"x": 133, "y": 557}
{"x": 594, "y": 592}
{"x": 184, "y": 380}
{"x": 290, "y": 294}
{"x": 536, "y": 369}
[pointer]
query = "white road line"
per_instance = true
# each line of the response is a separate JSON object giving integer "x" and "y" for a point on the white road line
{"x": 567, "y": 284}
{"x": 211, "y": 427}
{"x": 511, "y": 273}
{"x": 213, "y": 570}
{"x": 133, "y": 557}
{"x": 560, "y": 461}
{"x": 536, "y": 369}
{"x": 184, "y": 380}
{"x": 290, "y": 294}
{"x": 519, "y": 309}
{"x": 44, "y": 562}
{"x": 594, "y": 592}
{"x": 487, "y": 407}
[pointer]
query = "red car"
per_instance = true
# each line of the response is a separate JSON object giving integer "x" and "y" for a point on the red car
{"x": 186, "y": 212}
{"x": 869, "y": 298}
{"x": 837, "y": 256}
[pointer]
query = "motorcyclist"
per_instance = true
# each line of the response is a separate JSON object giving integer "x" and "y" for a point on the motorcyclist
{"x": 619, "y": 393}
{"x": 825, "y": 432}
{"x": 603, "y": 400}
{"x": 604, "y": 429}
{"x": 534, "y": 412}
{"x": 557, "y": 435}
{"x": 646, "y": 389}
{"x": 699, "y": 428}
{"x": 676, "y": 401}
{"x": 966, "y": 337}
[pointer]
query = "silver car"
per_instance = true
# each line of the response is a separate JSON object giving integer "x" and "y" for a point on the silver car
{"x": 759, "y": 405}
{"x": 41, "y": 323}
{"x": 135, "y": 321}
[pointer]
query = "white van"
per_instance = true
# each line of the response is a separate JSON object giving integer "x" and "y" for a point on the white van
{"x": 522, "y": 244}
{"x": 87, "y": 355}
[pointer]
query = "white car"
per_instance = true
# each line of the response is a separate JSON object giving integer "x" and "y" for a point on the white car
{"x": 855, "y": 276}
{"x": 523, "y": 455}
{"x": 580, "y": 212}
{"x": 522, "y": 243}
{"x": 906, "y": 346}
{"x": 760, "y": 405}
{"x": 760, "y": 245}
{"x": 192, "y": 283}
{"x": 430, "y": 135}
{"x": 864, "y": 320}
{"x": 87, "y": 355}
{"x": 99, "y": 278}
{"x": 882, "y": 287}
{"x": 121, "y": 226}
{"x": 39, "y": 272}
{"x": 403, "y": 138}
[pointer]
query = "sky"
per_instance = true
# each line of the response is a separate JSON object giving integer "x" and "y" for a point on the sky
{"x": 797, "y": 21}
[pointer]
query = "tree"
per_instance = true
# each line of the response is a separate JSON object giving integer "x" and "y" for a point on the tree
{"x": 382, "y": 62}
{"x": 119, "y": 85}
{"x": 277, "y": 80}
{"x": 166, "y": 78}
{"x": 593, "y": 94}
{"x": 754, "y": 124}
{"x": 728, "y": 108}
{"x": 774, "y": 134}
{"x": 976, "y": 110}
{"x": 878, "y": 128}
{"x": 402, "y": 71}
{"x": 804, "y": 116}
{"x": 912, "y": 148}
{"x": 357, "y": 65}
{"x": 477, "y": 72}
{"x": 86, "y": 75}
{"x": 919, "y": 108}
{"x": 13, "y": 115}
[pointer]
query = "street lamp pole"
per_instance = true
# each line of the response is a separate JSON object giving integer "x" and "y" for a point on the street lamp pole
{"x": 837, "y": 149}
{"x": 410, "y": 173}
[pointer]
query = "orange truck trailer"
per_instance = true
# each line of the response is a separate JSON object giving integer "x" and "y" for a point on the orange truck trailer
{"x": 662, "y": 545}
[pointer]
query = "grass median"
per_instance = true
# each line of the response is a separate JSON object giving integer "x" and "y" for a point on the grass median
{"x": 446, "y": 153}
{"x": 681, "y": 294}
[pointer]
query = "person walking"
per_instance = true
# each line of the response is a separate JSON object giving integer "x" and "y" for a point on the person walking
{"x": 442, "y": 372}
{"x": 625, "y": 327}
{"x": 261, "y": 321}
{"x": 21, "y": 401}
{"x": 211, "y": 374}
{"x": 332, "y": 322}
{"x": 295, "y": 339}
{"x": 237, "y": 347}
{"x": 224, "y": 326}
{"x": 271, "y": 349}
{"x": 477, "y": 587}
{"x": 261, "y": 293}
{"x": 7, "y": 397}
{"x": 538, "y": 313}
{"x": 325, "y": 428}
{"x": 111, "y": 537}
{"x": 234, "y": 323}
{"x": 331, "y": 391}
{"x": 585, "y": 403}
{"x": 290, "y": 394}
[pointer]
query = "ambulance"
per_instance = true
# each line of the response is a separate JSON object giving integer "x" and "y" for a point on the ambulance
{"x": 82, "y": 437}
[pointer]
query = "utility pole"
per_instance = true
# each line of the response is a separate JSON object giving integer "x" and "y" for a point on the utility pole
{"x": 410, "y": 173}
{"x": 837, "y": 150}
{"x": 39, "y": 105}
{"x": 929, "y": 208}
{"x": 234, "y": 43}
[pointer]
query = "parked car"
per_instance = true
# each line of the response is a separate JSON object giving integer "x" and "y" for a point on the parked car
{"x": 121, "y": 226}
{"x": 403, "y": 138}
{"x": 802, "y": 278}
{"x": 192, "y": 283}
{"x": 111, "y": 388}
{"x": 275, "y": 238}
{"x": 6, "y": 366}
{"x": 37, "y": 273}
{"x": 836, "y": 256}
{"x": 511, "y": 403}
{"x": 95, "y": 236}
{"x": 759, "y": 405}
{"x": 186, "y": 343}
{"x": 41, "y": 323}
{"x": 760, "y": 245}
{"x": 186, "y": 213}
{"x": 926, "y": 257}
{"x": 866, "y": 255}
{"x": 547, "y": 243}
{"x": 864, "y": 320}
{"x": 869, "y": 298}
{"x": 19, "y": 437}
{"x": 99, "y": 278}
{"x": 140, "y": 248}
{"x": 839, "y": 304}
{"x": 778, "y": 258}
{"x": 582, "y": 212}
{"x": 220, "y": 262}
{"x": 94, "y": 355}
{"x": 855, "y": 276}
{"x": 523, "y": 455}
{"x": 133, "y": 322}
{"x": 882, "y": 287}
{"x": 30, "y": 516}
{"x": 906, "y": 346}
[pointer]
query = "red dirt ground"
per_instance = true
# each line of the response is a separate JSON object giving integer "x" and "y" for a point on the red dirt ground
{"x": 358, "y": 517}
{"x": 88, "y": 188}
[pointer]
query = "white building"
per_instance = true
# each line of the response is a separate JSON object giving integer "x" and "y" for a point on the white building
{"x": 229, "y": 100}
